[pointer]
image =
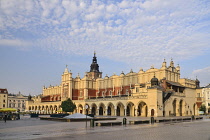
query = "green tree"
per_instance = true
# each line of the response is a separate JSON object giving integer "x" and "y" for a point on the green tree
{"x": 68, "y": 105}
{"x": 203, "y": 108}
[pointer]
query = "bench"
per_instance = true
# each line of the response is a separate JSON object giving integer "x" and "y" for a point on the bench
{"x": 139, "y": 122}
{"x": 108, "y": 123}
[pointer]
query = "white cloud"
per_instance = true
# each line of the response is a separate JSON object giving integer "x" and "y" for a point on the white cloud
{"x": 128, "y": 31}
{"x": 20, "y": 44}
{"x": 203, "y": 74}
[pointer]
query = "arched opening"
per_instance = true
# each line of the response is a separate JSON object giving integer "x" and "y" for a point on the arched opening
{"x": 101, "y": 111}
{"x": 120, "y": 109}
{"x": 142, "y": 109}
{"x": 181, "y": 108}
{"x": 80, "y": 109}
{"x": 174, "y": 107}
{"x": 93, "y": 111}
{"x": 55, "y": 109}
{"x": 110, "y": 109}
{"x": 130, "y": 109}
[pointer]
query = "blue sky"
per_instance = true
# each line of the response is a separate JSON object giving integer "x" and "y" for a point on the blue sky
{"x": 39, "y": 38}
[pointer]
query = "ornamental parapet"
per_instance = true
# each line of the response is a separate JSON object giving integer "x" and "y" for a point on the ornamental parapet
{"x": 117, "y": 98}
{"x": 43, "y": 103}
{"x": 180, "y": 94}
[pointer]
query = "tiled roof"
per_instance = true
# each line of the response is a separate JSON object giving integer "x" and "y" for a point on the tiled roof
{"x": 175, "y": 83}
{"x": 3, "y": 90}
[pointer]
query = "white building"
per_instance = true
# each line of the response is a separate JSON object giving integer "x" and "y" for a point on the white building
{"x": 206, "y": 97}
{"x": 17, "y": 101}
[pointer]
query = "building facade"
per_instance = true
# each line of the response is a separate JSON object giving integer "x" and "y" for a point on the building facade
{"x": 3, "y": 98}
{"x": 17, "y": 101}
{"x": 206, "y": 97}
{"x": 154, "y": 92}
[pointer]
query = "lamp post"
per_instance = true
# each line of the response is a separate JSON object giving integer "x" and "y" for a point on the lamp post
{"x": 86, "y": 107}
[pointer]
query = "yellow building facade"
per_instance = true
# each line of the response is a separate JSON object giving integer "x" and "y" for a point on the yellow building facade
{"x": 154, "y": 92}
{"x": 3, "y": 98}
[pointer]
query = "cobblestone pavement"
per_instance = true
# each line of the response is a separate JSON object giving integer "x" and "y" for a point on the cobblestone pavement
{"x": 32, "y": 128}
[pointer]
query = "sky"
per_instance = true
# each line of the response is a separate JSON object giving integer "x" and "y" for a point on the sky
{"x": 38, "y": 38}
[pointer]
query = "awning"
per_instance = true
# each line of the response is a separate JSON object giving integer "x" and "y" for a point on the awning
{"x": 8, "y": 110}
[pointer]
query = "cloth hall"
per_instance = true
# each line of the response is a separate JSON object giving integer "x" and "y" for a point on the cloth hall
{"x": 154, "y": 92}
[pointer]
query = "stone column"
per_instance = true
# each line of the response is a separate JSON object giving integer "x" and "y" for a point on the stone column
{"x": 136, "y": 111}
{"x": 106, "y": 112}
{"x": 125, "y": 110}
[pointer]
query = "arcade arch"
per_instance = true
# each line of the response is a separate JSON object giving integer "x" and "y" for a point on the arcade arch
{"x": 142, "y": 109}
{"x": 120, "y": 109}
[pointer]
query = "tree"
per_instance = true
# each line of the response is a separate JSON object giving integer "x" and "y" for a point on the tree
{"x": 203, "y": 108}
{"x": 68, "y": 105}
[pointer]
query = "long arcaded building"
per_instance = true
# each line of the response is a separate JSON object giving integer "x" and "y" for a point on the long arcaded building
{"x": 154, "y": 92}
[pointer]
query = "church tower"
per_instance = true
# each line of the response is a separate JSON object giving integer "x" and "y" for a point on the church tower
{"x": 94, "y": 69}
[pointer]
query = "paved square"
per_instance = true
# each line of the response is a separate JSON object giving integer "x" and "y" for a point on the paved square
{"x": 32, "y": 128}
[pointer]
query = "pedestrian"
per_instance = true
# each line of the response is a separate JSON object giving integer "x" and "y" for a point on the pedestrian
{"x": 5, "y": 118}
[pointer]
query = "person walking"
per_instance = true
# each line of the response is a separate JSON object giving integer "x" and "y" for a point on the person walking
{"x": 5, "y": 118}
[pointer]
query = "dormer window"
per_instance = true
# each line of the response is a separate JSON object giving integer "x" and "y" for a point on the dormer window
{"x": 118, "y": 92}
{"x": 110, "y": 93}
{"x": 80, "y": 94}
{"x": 127, "y": 92}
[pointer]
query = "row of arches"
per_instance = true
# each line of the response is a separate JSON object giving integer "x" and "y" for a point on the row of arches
{"x": 179, "y": 107}
{"x": 45, "y": 109}
{"x": 174, "y": 108}
{"x": 110, "y": 109}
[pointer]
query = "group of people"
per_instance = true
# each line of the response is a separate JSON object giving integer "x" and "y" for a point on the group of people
{"x": 10, "y": 116}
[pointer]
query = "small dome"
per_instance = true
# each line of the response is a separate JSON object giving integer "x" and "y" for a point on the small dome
{"x": 154, "y": 81}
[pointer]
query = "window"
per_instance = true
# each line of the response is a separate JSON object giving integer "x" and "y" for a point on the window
{"x": 137, "y": 89}
{"x": 103, "y": 93}
{"x": 3, "y": 105}
{"x": 13, "y": 100}
{"x": 4, "y": 101}
{"x": 198, "y": 95}
{"x": 127, "y": 92}
{"x": 19, "y": 104}
{"x": 4, "y": 95}
{"x": 10, "y": 105}
{"x": 118, "y": 92}
{"x": 110, "y": 93}
{"x": 80, "y": 94}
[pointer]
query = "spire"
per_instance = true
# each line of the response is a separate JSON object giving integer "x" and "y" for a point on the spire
{"x": 178, "y": 67}
{"x": 172, "y": 63}
{"x": 66, "y": 69}
{"x": 94, "y": 66}
{"x": 197, "y": 82}
{"x": 164, "y": 63}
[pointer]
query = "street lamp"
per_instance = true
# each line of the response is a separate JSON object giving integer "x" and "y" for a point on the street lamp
{"x": 86, "y": 107}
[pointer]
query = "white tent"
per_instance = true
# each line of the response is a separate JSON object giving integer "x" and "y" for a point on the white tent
{"x": 76, "y": 115}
